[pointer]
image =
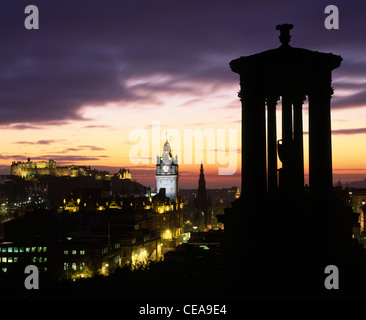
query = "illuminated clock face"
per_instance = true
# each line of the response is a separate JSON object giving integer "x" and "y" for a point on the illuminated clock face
{"x": 165, "y": 168}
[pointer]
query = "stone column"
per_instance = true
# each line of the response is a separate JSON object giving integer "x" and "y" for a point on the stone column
{"x": 298, "y": 143}
{"x": 320, "y": 141}
{"x": 285, "y": 148}
{"x": 272, "y": 144}
{"x": 286, "y": 119}
{"x": 253, "y": 143}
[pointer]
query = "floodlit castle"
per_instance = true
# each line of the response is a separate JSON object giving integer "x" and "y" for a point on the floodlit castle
{"x": 30, "y": 169}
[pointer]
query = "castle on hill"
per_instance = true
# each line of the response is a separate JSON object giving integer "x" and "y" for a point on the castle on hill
{"x": 30, "y": 169}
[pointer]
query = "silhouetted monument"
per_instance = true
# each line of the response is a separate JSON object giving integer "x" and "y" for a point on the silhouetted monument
{"x": 290, "y": 74}
{"x": 276, "y": 232}
{"x": 202, "y": 216}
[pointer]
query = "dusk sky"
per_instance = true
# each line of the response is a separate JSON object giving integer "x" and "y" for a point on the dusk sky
{"x": 96, "y": 71}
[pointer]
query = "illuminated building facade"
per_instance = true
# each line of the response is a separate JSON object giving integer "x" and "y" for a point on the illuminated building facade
{"x": 167, "y": 173}
{"x": 13, "y": 253}
{"x": 124, "y": 174}
{"x": 167, "y": 217}
{"x": 82, "y": 255}
{"x": 64, "y": 245}
{"x": 30, "y": 169}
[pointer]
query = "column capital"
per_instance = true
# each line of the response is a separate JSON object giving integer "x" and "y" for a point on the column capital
{"x": 323, "y": 90}
{"x": 298, "y": 100}
{"x": 271, "y": 101}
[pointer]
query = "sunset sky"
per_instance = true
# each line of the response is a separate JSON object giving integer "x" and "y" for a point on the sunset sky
{"x": 96, "y": 71}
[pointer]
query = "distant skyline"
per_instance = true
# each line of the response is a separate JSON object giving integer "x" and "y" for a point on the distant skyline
{"x": 75, "y": 89}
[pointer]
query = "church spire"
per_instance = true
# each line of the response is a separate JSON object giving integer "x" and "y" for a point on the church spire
{"x": 201, "y": 180}
{"x": 201, "y": 216}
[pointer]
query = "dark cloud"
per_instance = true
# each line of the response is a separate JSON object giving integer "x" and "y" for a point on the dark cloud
{"x": 349, "y": 131}
{"x": 76, "y": 149}
{"x": 96, "y": 127}
{"x": 346, "y": 131}
{"x": 87, "y": 52}
{"x": 21, "y": 126}
{"x": 12, "y": 157}
{"x": 60, "y": 159}
{"x": 353, "y": 100}
{"x": 40, "y": 142}
{"x": 91, "y": 148}
{"x": 69, "y": 158}
{"x": 69, "y": 149}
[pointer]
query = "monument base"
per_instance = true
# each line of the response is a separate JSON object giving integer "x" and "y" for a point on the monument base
{"x": 291, "y": 247}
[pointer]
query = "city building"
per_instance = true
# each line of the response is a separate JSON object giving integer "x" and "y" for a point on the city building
{"x": 124, "y": 174}
{"x": 85, "y": 254}
{"x": 31, "y": 169}
{"x": 355, "y": 198}
{"x": 82, "y": 244}
{"x": 15, "y": 253}
{"x": 167, "y": 172}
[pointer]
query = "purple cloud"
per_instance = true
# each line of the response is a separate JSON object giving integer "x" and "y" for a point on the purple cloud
{"x": 87, "y": 54}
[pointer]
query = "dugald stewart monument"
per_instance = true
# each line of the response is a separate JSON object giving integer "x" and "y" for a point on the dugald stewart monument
{"x": 295, "y": 241}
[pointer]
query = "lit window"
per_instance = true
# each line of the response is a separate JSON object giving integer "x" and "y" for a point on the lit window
{"x": 34, "y": 259}
{"x": 21, "y": 249}
{"x": 45, "y": 259}
{"x": 39, "y": 249}
{"x": 15, "y": 249}
{"x": 66, "y": 266}
{"x": 10, "y": 249}
{"x": 4, "y": 259}
{"x": 33, "y": 249}
{"x": 66, "y": 251}
{"x": 167, "y": 235}
{"x": 3, "y": 249}
{"x": 82, "y": 252}
{"x": 44, "y": 249}
{"x": 27, "y": 249}
{"x": 73, "y": 266}
{"x": 73, "y": 251}
{"x": 4, "y": 269}
{"x": 15, "y": 259}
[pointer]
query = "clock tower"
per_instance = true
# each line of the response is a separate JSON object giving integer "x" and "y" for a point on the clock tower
{"x": 167, "y": 173}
